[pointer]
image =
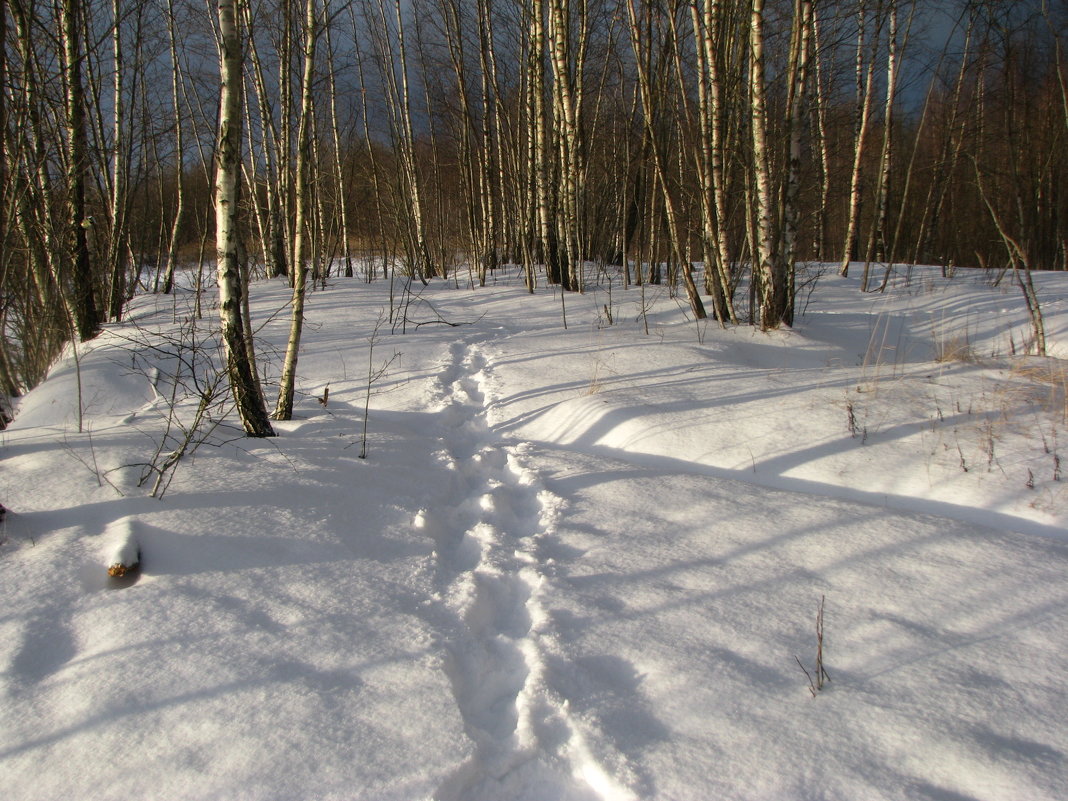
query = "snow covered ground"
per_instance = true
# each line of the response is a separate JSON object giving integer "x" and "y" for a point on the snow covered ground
{"x": 576, "y": 564}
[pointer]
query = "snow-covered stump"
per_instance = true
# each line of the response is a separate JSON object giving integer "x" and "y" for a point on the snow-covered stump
{"x": 122, "y": 553}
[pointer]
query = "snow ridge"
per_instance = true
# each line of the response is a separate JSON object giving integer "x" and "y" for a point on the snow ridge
{"x": 486, "y": 535}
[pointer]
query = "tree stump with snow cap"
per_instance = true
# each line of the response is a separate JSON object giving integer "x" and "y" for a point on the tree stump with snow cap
{"x": 123, "y": 553}
{"x": 120, "y": 569}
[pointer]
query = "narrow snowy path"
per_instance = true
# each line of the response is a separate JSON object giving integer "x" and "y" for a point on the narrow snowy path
{"x": 486, "y": 532}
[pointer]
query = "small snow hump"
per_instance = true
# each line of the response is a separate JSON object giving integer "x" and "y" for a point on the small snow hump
{"x": 122, "y": 551}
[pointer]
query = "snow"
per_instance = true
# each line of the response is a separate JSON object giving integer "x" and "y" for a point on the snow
{"x": 576, "y": 564}
{"x": 122, "y": 551}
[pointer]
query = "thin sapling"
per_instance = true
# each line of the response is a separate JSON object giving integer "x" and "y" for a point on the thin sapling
{"x": 816, "y": 682}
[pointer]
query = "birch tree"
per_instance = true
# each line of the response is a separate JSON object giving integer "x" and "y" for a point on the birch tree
{"x": 388, "y": 37}
{"x": 714, "y": 31}
{"x": 659, "y": 150}
{"x": 274, "y": 147}
{"x": 244, "y": 384}
{"x": 179, "y": 147}
{"x": 9, "y": 384}
{"x": 769, "y": 271}
{"x": 543, "y": 165}
{"x": 878, "y": 245}
{"x": 568, "y": 41}
{"x": 797, "y": 84}
{"x": 335, "y": 131}
{"x": 84, "y": 304}
{"x": 865, "y": 79}
{"x": 284, "y": 408}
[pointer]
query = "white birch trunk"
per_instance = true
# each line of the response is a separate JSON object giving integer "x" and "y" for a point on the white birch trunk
{"x": 798, "y": 78}
{"x": 766, "y": 268}
{"x": 877, "y": 241}
{"x": 422, "y": 266}
{"x": 179, "y": 145}
{"x": 645, "y": 88}
{"x": 87, "y": 317}
{"x": 821, "y": 143}
{"x": 117, "y": 247}
{"x": 711, "y": 33}
{"x": 339, "y": 175}
{"x": 566, "y": 57}
{"x": 276, "y": 233}
{"x": 545, "y": 195}
{"x": 865, "y": 93}
{"x": 246, "y": 389}
{"x": 283, "y": 409}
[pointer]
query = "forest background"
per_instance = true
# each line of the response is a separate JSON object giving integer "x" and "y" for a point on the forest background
{"x": 441, "y": 138}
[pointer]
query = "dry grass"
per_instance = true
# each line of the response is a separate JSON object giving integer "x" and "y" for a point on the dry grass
{"x": 955, "y": 349}
{"x": 597, "y": 379}
{"x": 1051, "y": 372}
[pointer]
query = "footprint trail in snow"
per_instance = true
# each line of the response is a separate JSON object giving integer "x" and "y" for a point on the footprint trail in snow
{"x": 486, "y": 533}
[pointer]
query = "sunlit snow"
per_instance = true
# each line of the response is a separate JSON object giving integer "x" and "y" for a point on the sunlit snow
{"x": 577, "y": 564}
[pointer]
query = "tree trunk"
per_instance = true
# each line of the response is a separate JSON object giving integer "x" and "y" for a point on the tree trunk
{"x": 276, "y": 162}
{"x": 798, "y": 81}
{"x": 283, "y": 410}
{"x": 248, "y": 395}
{"x": 711, "y": 33}
{"x": 865, "y": 93}
{"x": 877, "y": 242}
{"x": 84, "y": 303}
{"x": 771, "y": 273}
{"x": 567, "y": 57}
{"x": 546, "y": 191}
{"x": 117, "y": 244}
{"x": 339, "y": 175}
{"x": 179, "y": 144}
{"x": 820, "y": 135}
{"x": 660, "y": 157}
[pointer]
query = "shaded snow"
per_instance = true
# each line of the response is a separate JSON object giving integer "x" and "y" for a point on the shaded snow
{"x": 575, "y": 565}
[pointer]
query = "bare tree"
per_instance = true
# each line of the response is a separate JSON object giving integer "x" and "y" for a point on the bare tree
{"x": 179, "y": 146}
{"x": 797, "y": 83}
{"x": 568, "y": 40}
{"x": 769, "y": 271}
{"x": 715, "y": 32}
{"x": 248, "y": 395}
{"x": 284, "y": 408}
{"x": 659, "y": 145}
{"x": 335, "y": 132}
{"x": 84, "y": 304}
{"x": 388, "y": 37}
{"x": 865, "y": 78}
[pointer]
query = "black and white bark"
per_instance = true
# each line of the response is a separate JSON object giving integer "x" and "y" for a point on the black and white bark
{"x": 283, "y": 409}
{"x": 770, "y": 272}
{"x": 640, "y": 44}
{"x": 84, "y": 303}
{"x": 177, "y": 79}
{"x": 248, "y": 395}
{"x": 865, "y": 79}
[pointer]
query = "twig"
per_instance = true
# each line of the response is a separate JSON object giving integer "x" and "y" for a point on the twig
{"x": 372, "y": 377}
{"x": 821, "y": 677}
{"x": 811, "y": 684}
